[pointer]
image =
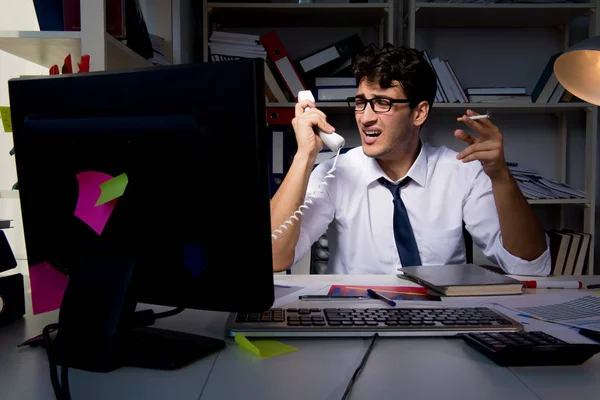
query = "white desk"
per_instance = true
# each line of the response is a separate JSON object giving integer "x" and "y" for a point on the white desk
{"x": 397, "y": 368}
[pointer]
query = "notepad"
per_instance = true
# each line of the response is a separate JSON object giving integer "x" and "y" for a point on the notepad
{"x": 463, "y": 280}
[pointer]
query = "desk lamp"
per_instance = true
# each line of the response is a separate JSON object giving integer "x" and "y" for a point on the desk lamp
{"x": 578, "y": 70}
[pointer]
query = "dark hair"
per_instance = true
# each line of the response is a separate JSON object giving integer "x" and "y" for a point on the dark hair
{"x": 406, "y": 65}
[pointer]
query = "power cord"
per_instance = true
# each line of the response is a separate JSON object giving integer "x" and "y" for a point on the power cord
{"x": 360, "y": 367}
{"x": 294, "y": 217}
{"x": 61, "y": 387}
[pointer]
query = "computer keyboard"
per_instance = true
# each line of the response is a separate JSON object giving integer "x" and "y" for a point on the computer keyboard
{"x": 419, "y": 321}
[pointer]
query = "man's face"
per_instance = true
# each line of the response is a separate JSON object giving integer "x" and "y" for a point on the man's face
{"x": 384, "y": 134}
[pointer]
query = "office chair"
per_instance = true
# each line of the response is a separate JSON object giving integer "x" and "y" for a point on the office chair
{"x": 319, "y": 252}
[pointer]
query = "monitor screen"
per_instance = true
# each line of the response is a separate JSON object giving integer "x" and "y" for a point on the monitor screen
{"x": 166, "y": 167}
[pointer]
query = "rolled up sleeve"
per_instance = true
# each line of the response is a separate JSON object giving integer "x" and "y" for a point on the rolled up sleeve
{"x": 481, "y": 220}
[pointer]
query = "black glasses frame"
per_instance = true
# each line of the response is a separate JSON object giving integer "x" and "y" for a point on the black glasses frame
{"x": 370, "y": 101}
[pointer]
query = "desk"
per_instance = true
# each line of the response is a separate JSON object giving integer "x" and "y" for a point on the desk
{"x": 423, "y": 368}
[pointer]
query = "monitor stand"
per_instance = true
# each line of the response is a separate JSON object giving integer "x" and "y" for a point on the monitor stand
{"x": 100, "y": 331}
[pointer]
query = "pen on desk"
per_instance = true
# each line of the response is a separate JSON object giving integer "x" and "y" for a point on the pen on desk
{"x": 331, "y": 297}
{"x": 594, "y": 286}
{"x": 34, "y": 341}
{"x": 476, "y": 117}
{"x": 376, "y": 295}
{"x": 553, "y": 284}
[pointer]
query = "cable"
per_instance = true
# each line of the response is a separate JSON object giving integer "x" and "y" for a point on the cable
{"x": 360, "y": 367}
{"x": 308, "y": 201}
{"x": 61, "y": 391}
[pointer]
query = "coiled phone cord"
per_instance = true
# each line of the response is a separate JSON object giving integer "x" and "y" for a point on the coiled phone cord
{"x": 295, "y": 217}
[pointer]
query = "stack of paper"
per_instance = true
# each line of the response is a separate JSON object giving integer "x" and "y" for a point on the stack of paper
{"x": 535, "y": 186}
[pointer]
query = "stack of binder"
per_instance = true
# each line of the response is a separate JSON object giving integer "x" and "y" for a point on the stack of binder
{"x": 225, "y": 46}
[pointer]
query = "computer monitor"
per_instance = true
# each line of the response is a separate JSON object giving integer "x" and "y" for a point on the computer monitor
{"x": 191, "y": 229}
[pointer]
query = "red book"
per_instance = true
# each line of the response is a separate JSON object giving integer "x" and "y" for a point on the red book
{"x": 84, "y": 64}
{"x": 67, "y": 67}
{"x": 115, "y": 16}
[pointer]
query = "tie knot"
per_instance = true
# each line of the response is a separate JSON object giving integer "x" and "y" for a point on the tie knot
{"x": 395, "y": 187}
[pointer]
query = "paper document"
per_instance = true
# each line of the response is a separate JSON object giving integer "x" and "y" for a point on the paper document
{"x": 576, "y": 309}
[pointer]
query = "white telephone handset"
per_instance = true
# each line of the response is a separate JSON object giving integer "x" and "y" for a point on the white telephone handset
{"x": 332, "y": 140}
{"x": 335, "y": 143}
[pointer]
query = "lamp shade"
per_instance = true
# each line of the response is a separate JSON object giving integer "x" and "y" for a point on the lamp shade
{"x": 578, "y": 70}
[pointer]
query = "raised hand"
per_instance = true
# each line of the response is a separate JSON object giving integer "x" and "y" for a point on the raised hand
{"x": 487, "y": 148}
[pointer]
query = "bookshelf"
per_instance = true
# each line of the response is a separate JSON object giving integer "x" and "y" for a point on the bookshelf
{"x": 514, "y": 15}
{"x": 436, "y": 17}
{"x": 244, "y": 16}
{"x": 49, "y": 48}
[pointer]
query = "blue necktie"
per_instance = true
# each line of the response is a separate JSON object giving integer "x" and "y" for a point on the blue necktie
{"x": 403, "y": 233}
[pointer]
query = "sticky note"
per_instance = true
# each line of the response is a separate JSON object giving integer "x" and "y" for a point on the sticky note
{"x": 264, "y": 348}
{"x": 112, "y": 189}
{"x": 47, "y": 287}
{"x": 6, "y": 121}
{"x": 86, "y": 210}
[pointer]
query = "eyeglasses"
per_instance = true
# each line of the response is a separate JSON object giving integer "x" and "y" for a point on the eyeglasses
{"x": 378, "y": 104}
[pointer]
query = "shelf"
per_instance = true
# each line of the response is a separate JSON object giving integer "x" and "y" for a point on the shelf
{"x": 584, "y": 202}
{"x": 481, "y": 15}
{"x": 514, "y": 108}
{"x": 9, "y": 194}
{"x": 295, "y": 15}
{"x": 47, "y": 48}
{"x": 42, "y": 47}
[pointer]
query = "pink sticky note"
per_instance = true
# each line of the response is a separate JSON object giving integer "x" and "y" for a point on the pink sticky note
{"x": 89, "y": 192}
{"x": 47, "y": 287}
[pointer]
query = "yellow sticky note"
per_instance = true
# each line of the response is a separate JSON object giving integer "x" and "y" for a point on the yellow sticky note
{"x": 264, "y": 348}
{"x": 6, "y": 121}
{"x": 112, "y": 189}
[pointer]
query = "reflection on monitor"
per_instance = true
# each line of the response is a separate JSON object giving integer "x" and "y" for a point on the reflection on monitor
{"x": 145, "y": 186}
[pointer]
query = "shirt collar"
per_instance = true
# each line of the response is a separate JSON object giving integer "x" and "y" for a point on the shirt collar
{"x": 417, "y": 172}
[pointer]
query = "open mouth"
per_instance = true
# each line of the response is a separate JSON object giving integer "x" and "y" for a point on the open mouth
{"x": 372, "y": 134}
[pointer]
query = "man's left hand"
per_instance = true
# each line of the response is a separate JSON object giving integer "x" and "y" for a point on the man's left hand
{"x": 487, "y": 148}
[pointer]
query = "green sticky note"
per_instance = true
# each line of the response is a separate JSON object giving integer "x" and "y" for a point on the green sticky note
{"x": 6, "y": 121}
{"x": 264, "y": 348}
{"x": 112, "y": 189}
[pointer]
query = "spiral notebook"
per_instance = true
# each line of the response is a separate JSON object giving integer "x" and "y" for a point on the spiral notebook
{"x": 462, "y": 280}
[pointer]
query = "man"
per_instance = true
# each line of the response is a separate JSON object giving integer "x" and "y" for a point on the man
{"x": 369, "y": 231}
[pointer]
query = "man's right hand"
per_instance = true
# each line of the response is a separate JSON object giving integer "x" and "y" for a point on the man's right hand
{"x": 305, "y": 124}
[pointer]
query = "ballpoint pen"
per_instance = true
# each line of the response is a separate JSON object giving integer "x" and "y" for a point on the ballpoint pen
{"x": 376, "y": 295}
{"x": 595, "y": 286}
{"x": 331, "y": 297}
{"x": 33, "y": 342}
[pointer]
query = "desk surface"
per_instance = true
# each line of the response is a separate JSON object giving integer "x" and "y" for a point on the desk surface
{"x": 320, "y": 369}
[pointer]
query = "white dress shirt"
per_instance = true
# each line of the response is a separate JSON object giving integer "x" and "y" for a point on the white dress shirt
{"x": 357, "y": 212}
